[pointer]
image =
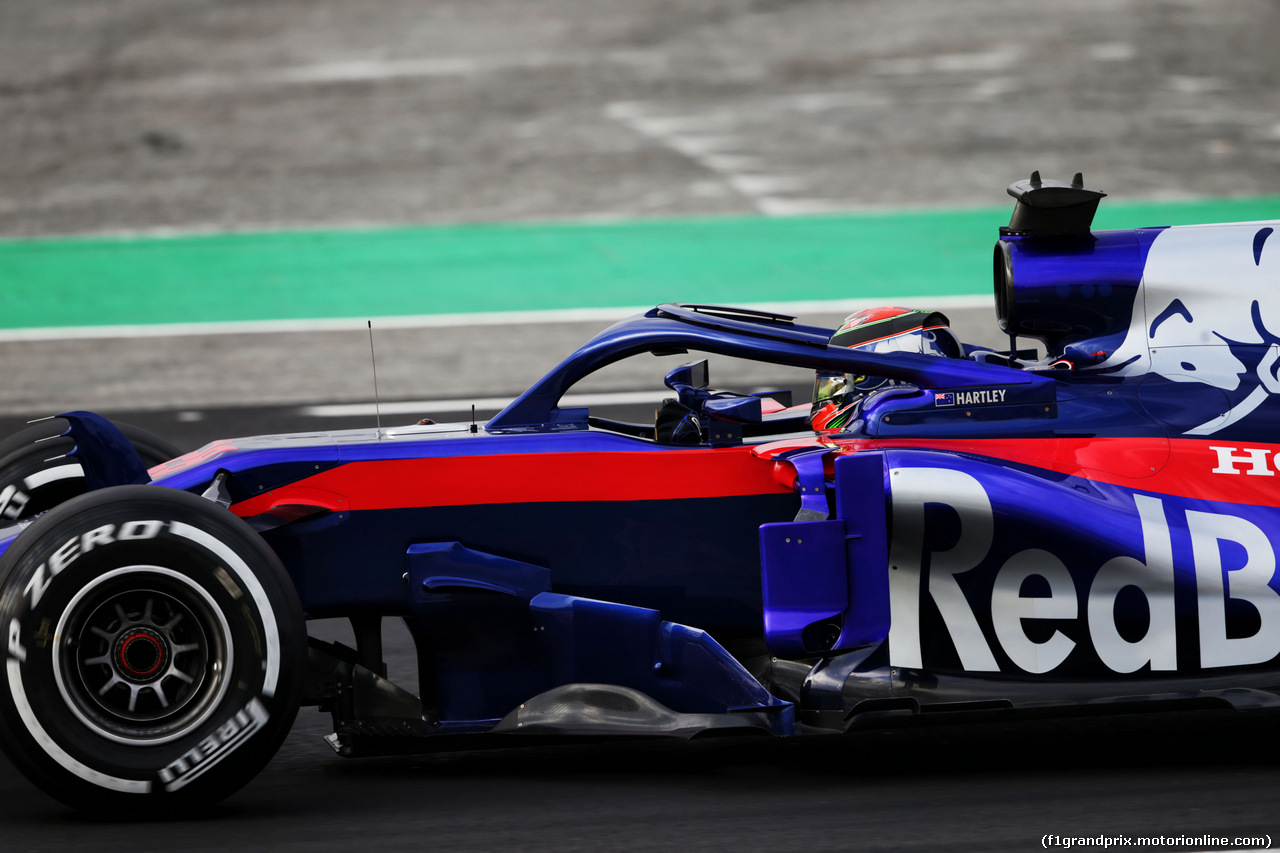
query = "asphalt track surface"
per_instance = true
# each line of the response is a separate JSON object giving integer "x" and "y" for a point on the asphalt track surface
{"x": 984, "y": 786}
{"x": 149, "y": 117}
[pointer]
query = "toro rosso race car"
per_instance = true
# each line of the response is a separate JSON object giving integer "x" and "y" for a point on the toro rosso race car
{"x": 1092, "y": 522}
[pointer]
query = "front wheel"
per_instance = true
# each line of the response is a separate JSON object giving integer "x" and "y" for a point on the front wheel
{"x": 154, "y": 652}
{"x": 35, "y": 476}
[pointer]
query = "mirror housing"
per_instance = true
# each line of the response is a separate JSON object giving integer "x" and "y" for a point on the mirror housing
{"x": 741, "y": 410}
{"x": 692, "y": 375}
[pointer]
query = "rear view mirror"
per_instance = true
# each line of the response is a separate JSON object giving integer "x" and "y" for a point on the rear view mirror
{"x": 693, "y": 375}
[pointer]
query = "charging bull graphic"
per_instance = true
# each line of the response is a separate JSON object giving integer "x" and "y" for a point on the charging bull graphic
{"x": 1208, "y": 311}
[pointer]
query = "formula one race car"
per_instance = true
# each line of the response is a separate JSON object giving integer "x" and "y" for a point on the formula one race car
{"x": 1092, "y": 522}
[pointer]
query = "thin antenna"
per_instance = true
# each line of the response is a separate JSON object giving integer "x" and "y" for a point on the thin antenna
{"x": 474, "y": 429}
{"x": 377, "y": 407}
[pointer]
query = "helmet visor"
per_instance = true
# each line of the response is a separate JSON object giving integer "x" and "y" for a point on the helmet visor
{"x": 830, "y": 387}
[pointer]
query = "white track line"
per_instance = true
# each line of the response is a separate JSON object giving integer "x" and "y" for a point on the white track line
{"x": 482, "y": 404}
{"x": 719, "y": 142}
{"x": 372, "y": 70}
{"x": 702, "y": 139}
{"x": 483, "y": 318}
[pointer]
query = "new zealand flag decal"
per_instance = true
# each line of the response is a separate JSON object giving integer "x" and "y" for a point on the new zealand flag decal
{"x": 947, "y": 399}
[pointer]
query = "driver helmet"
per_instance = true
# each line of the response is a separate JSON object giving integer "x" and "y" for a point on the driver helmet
{"x": 878, "y": 330}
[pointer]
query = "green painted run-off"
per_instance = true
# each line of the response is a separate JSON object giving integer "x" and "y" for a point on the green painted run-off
{"x": 512, "y": 267}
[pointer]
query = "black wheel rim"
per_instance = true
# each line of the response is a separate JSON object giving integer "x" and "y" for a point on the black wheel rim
{"x": 142, "y": 654}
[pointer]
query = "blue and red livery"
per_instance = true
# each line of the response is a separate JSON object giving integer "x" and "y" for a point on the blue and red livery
{"x": 1092, "y": 523}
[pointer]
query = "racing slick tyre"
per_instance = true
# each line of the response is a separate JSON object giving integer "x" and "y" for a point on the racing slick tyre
{"x": 154, "y": 652}
{"x": 33, "y": 478}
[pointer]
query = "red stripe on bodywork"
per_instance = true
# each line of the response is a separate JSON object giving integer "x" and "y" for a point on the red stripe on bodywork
{"x": 1133, "y": 462}
{"x": 535, "y": 478}
{"x": 1176, "y": 466}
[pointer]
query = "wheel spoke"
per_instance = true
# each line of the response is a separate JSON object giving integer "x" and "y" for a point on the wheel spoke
{"x": 180, "y": 675}
{"x": 111, "y": 682}
{"x": 143, "y": 661}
